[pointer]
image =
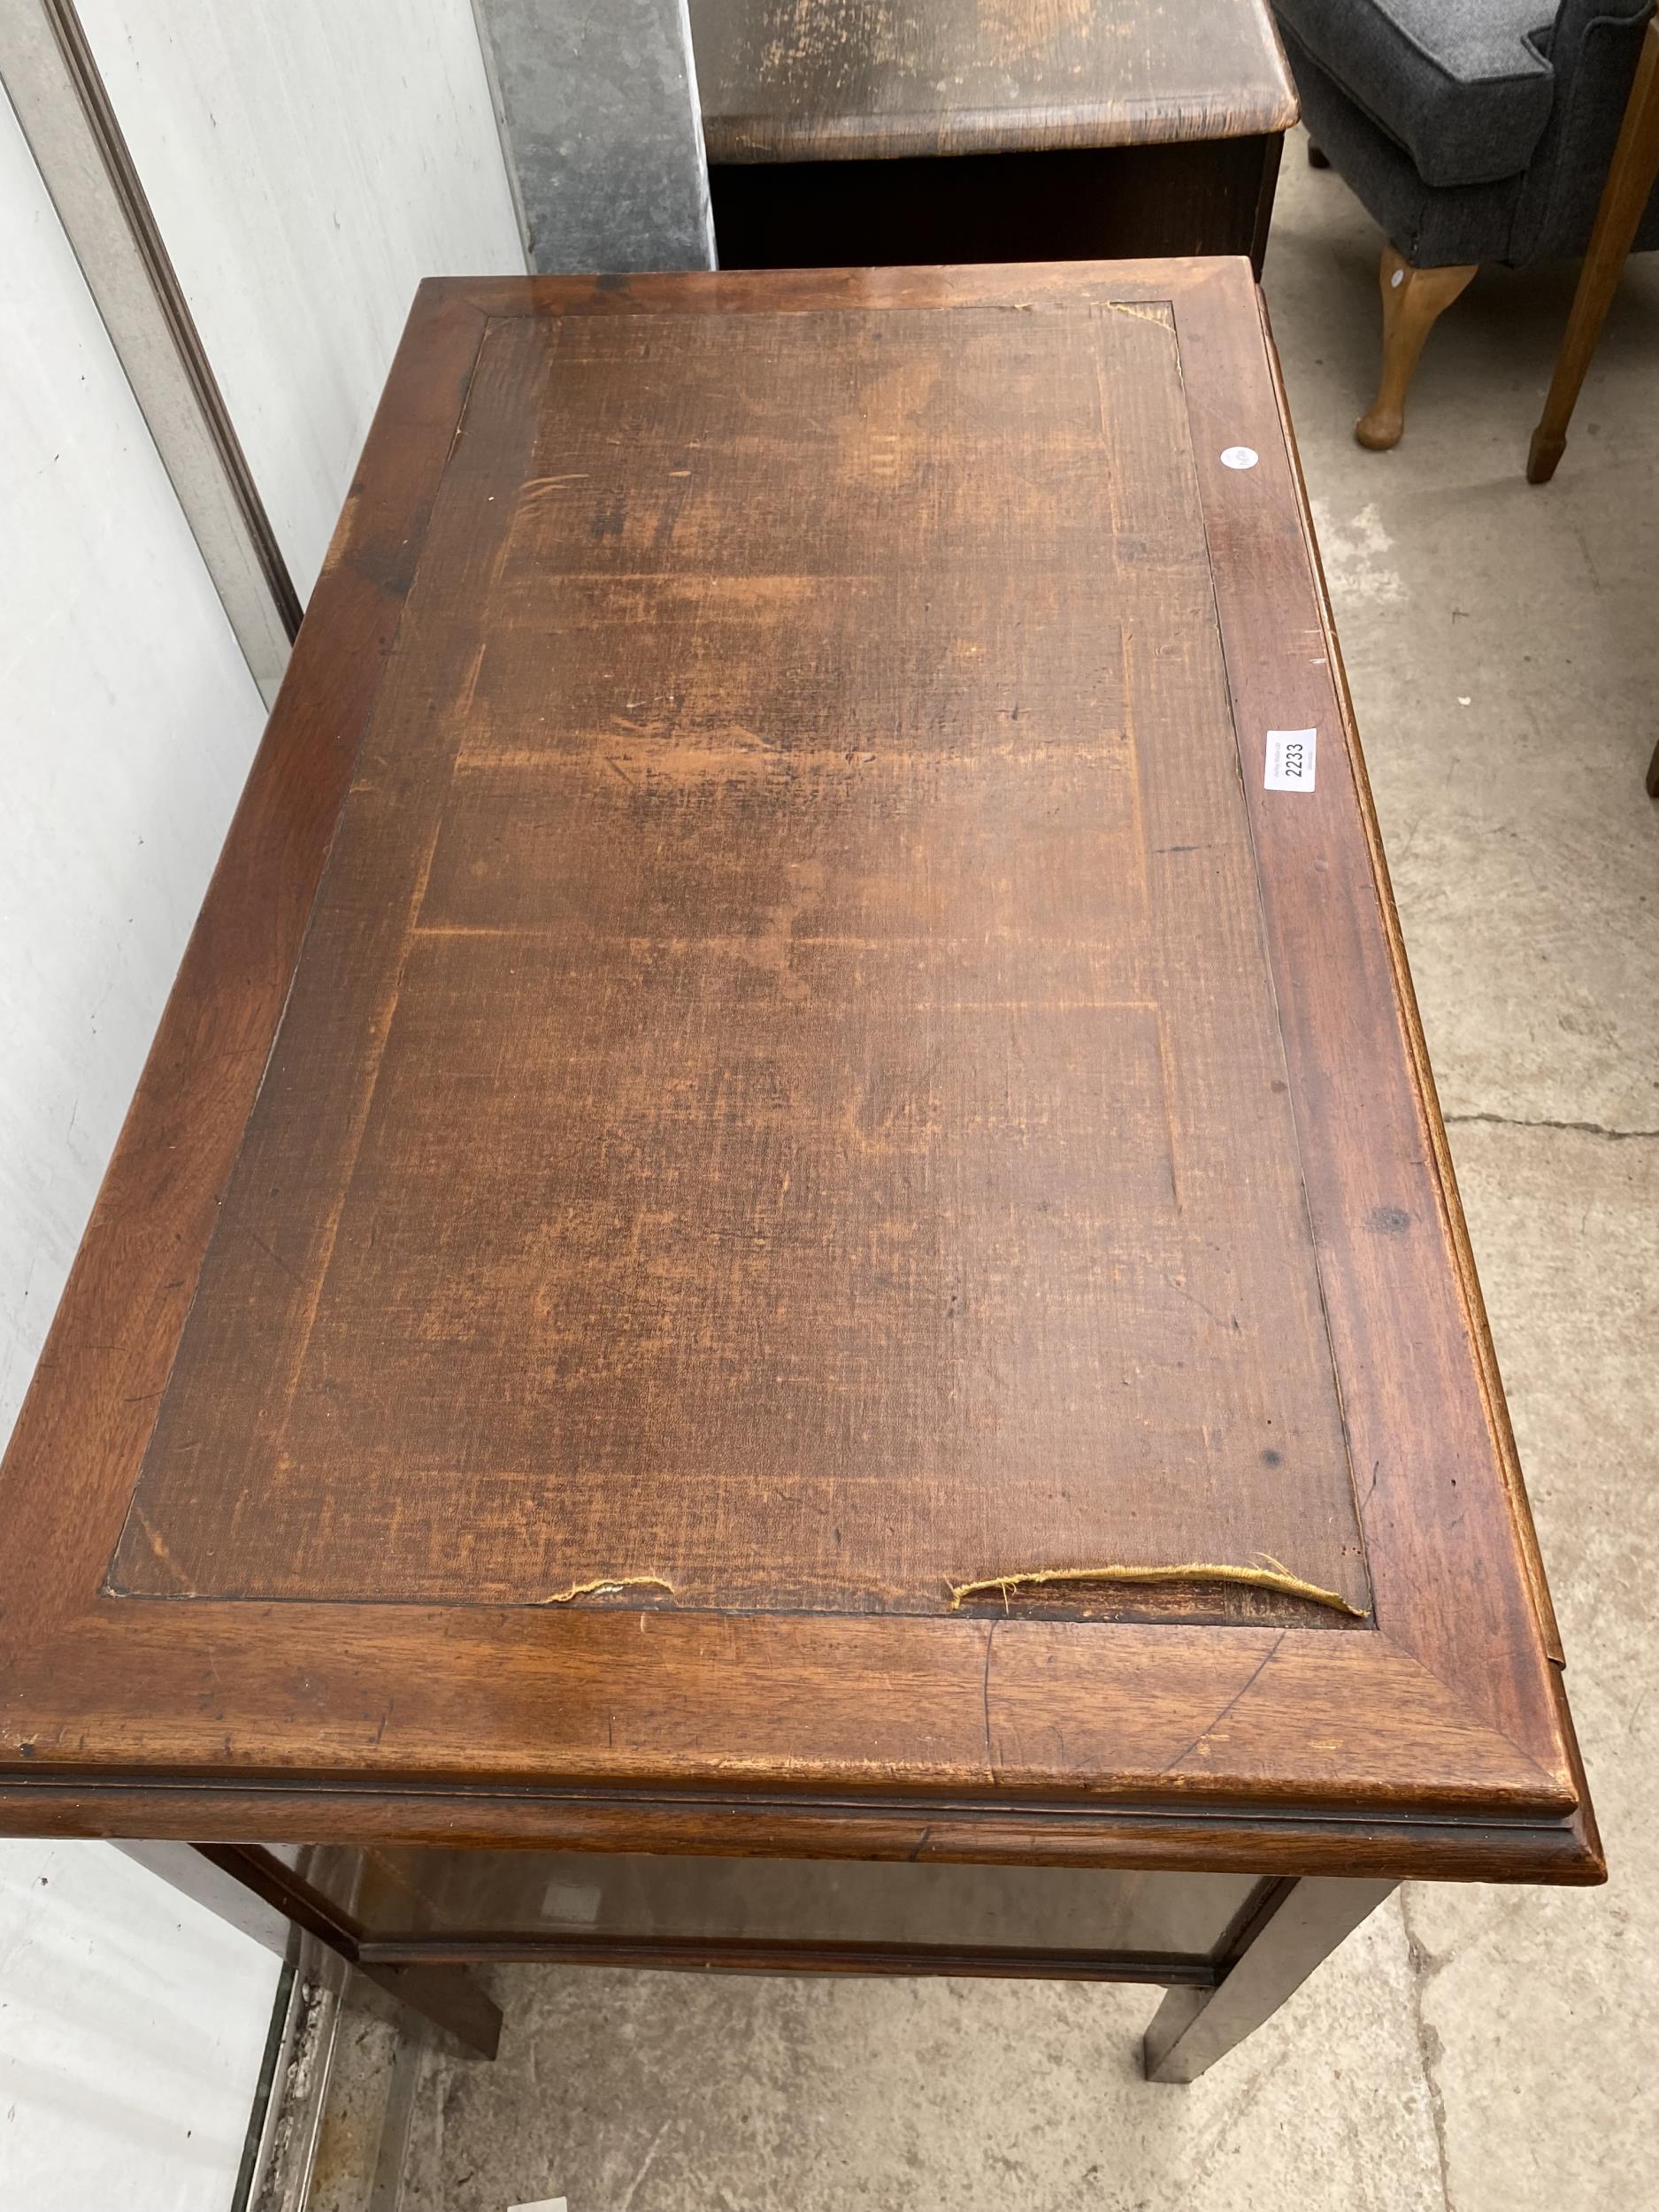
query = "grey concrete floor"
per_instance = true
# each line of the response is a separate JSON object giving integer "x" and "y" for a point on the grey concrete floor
{"x": 1489, "y": 2050}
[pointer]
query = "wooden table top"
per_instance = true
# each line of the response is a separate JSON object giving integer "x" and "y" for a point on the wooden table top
{"x": 797, "y": 80}
{"x": 784, "y": 1202}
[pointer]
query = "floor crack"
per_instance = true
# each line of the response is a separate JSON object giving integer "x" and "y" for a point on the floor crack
{"x": 1421, "y": 1965}
{"x": 1581, "y": 1128}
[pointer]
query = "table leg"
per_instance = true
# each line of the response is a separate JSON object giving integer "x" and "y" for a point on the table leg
{"x": 257, "y": 1893}
{"x": 201, "y": 1879}
{"x": 1272, "y": 147}
{"x": 1630, "y": 182}
{"x": 1298, "y": 1925}
{"x": 446, "y": 1995}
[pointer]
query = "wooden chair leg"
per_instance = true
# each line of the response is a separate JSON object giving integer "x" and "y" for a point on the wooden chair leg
{"x": 1623, "y": 197}
{"x": 1413, "y": 300}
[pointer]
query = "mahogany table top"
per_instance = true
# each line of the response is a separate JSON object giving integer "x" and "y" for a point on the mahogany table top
{"x": 790, "y": 1197}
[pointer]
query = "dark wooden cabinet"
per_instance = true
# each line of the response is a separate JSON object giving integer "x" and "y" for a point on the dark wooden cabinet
{"x": 789, "y": 1208}
{"x": 949, "y": 131}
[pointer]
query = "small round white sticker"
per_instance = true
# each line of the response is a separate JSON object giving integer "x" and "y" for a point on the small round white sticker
{"x": 1238, "y": 456}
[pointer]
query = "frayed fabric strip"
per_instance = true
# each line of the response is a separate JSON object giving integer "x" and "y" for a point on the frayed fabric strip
{"x": 1272, "y": 1575}
{"x": 605, "y": 1586}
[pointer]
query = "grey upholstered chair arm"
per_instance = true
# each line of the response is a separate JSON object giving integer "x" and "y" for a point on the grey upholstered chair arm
{"x": 1592, "y": 49}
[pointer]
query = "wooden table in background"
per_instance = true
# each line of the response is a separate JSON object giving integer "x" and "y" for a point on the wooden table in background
{"x": 785, "y": 1291}
{"x": 947, "y": 130}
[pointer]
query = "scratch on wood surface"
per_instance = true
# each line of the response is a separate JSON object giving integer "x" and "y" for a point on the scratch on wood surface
{"x": 607, "y": 1586}
{"x": 469, "y": 686}
{"x": 273, "y": 1255}
{"x": 158, "y": 1545}
{"x": 1232, "y": 1705}
{"x": 1128, "y": 678}
{"x": 1166, "y": 1072}
{"x": 1272, "y": 1574}
{"x": 1160, "y": 316}
{"x": 984, "y": 1698}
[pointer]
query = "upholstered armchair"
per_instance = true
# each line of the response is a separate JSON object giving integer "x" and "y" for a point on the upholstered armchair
{"x": 1473, "y": 130}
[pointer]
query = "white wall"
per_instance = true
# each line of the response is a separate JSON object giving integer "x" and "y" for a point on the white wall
{"x": 131, "y": 2023}
{"x": 127, "y": 720}
{"x": 308, "y": 162}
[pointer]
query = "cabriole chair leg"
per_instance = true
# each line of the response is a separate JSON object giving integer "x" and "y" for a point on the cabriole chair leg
{"x": 1413, "y": 300}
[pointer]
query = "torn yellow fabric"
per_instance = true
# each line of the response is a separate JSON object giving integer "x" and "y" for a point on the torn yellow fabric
{"x": 1272, "y": 1575}
{"x": 605, "y": 1585}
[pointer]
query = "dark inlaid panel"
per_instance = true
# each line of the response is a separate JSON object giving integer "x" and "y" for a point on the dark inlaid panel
{"x": 782, "y": 1104}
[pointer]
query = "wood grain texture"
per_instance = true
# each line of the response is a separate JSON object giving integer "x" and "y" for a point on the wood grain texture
{"x": 875, "y": 1826}
{"x": 812, "y": 1695}
{"x": 866, "y": 80}
{"x": 783, "y": 1105}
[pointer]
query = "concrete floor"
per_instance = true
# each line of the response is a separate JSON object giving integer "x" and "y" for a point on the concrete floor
{"x": 1484, "y": 2049}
